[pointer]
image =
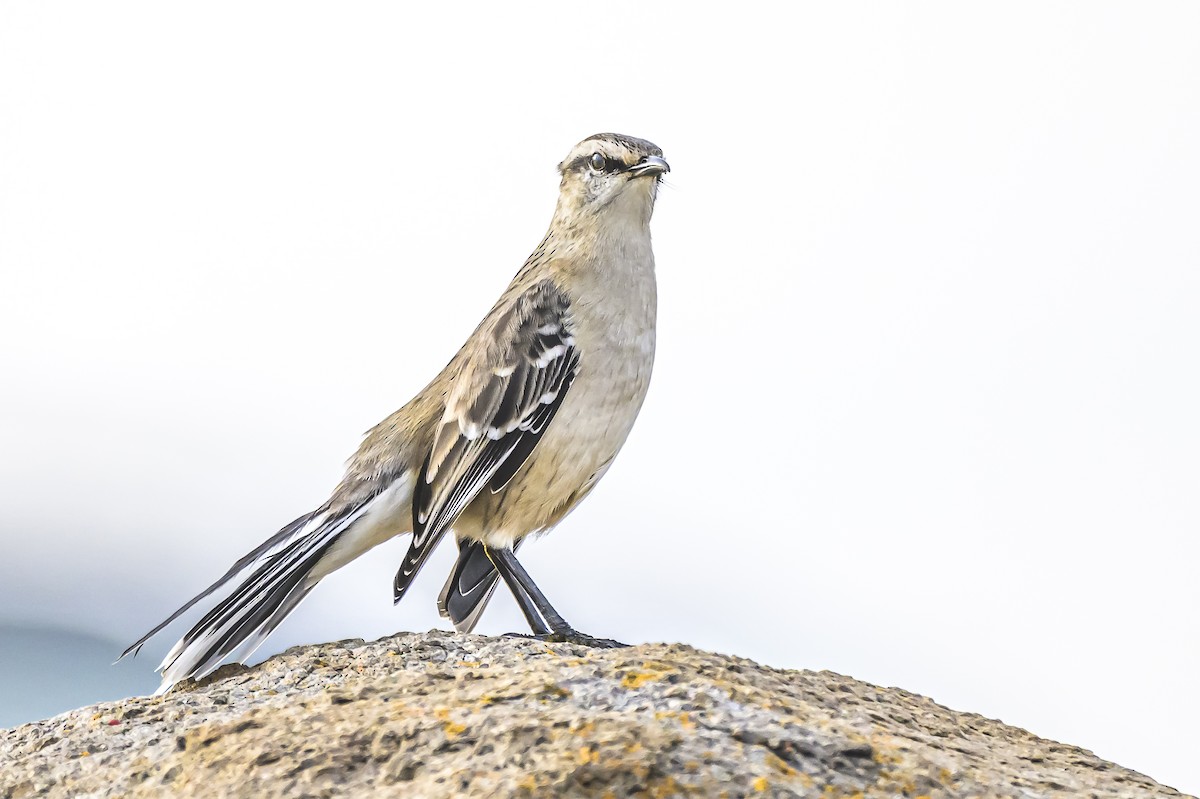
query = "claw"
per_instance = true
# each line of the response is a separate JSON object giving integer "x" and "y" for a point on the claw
{"x": 571, "y": 637}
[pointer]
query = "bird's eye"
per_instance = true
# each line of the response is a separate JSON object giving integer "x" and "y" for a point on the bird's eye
{"x": 597, "y": 161}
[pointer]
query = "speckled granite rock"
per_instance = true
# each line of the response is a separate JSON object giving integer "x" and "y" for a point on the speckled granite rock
{"x": 439, "y": 715}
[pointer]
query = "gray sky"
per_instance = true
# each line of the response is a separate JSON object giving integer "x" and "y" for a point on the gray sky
{"x": 925, "y": 405}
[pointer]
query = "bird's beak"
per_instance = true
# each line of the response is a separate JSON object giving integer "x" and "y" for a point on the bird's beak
{"x": 650, "y": 165}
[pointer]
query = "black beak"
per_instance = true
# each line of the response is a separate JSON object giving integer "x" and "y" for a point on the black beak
{"x": 650, "y": 165}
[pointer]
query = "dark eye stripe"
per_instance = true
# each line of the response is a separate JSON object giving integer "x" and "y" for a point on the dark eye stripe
{"x": 584, "y": 162}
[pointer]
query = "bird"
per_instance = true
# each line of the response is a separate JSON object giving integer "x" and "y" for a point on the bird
{"x": 509, "y": 438}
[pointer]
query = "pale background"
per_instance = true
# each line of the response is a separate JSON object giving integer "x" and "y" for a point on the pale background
{"x": 926, "y": 404}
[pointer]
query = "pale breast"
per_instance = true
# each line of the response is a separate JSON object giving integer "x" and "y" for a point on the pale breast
{"x": 616, "y": 346}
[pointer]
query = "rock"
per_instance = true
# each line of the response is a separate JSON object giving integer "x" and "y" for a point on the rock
{"x": 441, "y": 714}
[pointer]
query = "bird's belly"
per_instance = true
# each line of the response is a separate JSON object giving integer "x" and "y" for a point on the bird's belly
{"x": 576, "y": 449}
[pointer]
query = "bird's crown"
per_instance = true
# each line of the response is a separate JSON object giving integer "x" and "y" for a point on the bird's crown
{"x": 619, "y": 152}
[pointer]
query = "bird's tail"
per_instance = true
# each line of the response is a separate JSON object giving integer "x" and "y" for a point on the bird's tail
{"x": 470, "y": 586}
{"x": 269, "y": 583}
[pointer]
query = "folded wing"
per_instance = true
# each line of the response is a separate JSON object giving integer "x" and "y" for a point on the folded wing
{"x": 500, "y": 404}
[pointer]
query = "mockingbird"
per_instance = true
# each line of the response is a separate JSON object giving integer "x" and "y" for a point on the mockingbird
{"x": 505, "y": 442}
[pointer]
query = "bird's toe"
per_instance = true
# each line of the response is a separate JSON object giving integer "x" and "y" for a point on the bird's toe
{"x": 572, "y": 637}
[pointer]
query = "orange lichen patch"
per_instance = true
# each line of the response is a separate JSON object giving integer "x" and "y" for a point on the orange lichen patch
{"x": 884, "y": 748}
{"x": 587, "y": 754}
{"x": 582, "y": 727}
{"x": 761, "y": 784}
{"x": 452, "y": 728}
{"x": 553, "y": 690}
{"x": 683, "y": 718}
{"x": 884, "y": 758}
{"x": 665, "y": 787}
{"x": 470, "y": 664}
{"x": 636, "y": 676}
{"x": 779, "y": 765}
{"x": 636, "y": 679}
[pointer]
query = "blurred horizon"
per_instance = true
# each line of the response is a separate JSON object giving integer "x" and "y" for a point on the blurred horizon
{"x": 45, "y": 671}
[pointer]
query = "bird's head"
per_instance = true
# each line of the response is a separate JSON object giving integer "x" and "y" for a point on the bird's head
{"x": 612, "y": 173}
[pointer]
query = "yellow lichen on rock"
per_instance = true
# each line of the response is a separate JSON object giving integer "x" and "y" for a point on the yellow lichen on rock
{"x": 422, "y": 716}
{"x": 636, "y": 679}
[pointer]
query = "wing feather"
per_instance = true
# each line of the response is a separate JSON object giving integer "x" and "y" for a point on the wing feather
{"x": 499, "y": 406}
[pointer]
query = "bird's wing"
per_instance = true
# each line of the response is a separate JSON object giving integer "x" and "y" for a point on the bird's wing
{"x": 497, "y": 408}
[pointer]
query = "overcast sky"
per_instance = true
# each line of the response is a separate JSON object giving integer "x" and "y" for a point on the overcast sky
{"x": 925, "y": 405}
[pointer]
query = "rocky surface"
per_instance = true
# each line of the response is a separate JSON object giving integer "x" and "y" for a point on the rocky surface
{"x": 440, "y": 714}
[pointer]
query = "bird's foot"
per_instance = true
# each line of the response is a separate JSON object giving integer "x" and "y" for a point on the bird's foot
{"x": 570, "y": 636}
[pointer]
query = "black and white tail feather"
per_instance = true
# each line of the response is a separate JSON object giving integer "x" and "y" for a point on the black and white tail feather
{"x": 470, "y": 585}
{"x": 274, "y": 578}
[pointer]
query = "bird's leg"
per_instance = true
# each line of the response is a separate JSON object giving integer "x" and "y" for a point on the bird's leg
{"x": 523, "y": 601}
{"x": 522, "y": 584}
